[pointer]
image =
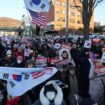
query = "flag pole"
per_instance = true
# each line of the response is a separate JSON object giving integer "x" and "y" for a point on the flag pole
{"x": 29, "y": 17}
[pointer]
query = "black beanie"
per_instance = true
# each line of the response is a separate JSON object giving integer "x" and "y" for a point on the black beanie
{"x": 48, "y": 88}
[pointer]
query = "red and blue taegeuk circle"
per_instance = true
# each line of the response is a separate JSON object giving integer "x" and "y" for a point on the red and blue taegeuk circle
{"x": 36, "y": 2}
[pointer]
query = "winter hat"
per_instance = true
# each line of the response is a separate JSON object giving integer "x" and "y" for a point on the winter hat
{"x": 8, "y": 52}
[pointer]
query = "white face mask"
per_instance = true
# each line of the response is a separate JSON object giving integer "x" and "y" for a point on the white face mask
{"x": 19, "y": 61}
{"x": 8, "y": 55}
{"x": 50, "y": 95}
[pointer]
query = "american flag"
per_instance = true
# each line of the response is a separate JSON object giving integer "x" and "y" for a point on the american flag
{"x": 39, "y": 74}
{"x": 38, "y": 19}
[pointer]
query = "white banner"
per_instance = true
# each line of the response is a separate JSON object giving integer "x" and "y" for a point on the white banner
{"x": 19, "y": 82}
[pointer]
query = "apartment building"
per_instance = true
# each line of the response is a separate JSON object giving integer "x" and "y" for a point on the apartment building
{"x": 57, "y": 16}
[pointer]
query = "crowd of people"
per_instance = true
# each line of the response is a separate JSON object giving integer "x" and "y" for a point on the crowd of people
{"x": 77, "y": 68}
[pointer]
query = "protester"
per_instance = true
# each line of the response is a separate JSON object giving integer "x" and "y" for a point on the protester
{"x": 2, "y": 50}
{"x": 88, "y": 101}
{"x": 20, "y": 62}
{"x": 74, "y": 81}
{"x": 30, "y": 63}
{"x": 3, "y": 93}
{"x": 84, "y": 71}
{"x": 9, "y": 60}
{"x": 13, "y": 100}
{"x": 50, "y": 94}
{"x": 20, "y": 52}
{"x": 76, "y": 55}
{"x": 73, "y": 85}
{"x": 29, "y": 97}
{"x": 97, "y": 87}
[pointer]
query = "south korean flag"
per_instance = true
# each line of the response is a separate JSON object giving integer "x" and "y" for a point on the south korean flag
{"x": 37, "y": 5}
{"x": 57, "y": 46}
{"x": 88, "y": 44}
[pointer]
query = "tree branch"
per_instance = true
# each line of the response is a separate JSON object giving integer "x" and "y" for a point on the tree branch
{"x": 90, "y": 9}
{"x": 77, "y": 6}
{"x": 81, "y": 1}
{"x": 96, "y": 2}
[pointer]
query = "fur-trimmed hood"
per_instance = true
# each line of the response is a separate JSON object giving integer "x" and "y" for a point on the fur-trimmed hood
{"x": 58, "y": 98}
{"x": 61, "y": 52}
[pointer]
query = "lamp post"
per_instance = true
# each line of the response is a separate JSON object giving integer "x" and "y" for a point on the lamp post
{"x": 67, "y": 19}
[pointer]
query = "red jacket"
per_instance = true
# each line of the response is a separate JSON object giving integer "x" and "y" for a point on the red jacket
{"x": 14, "y": 101}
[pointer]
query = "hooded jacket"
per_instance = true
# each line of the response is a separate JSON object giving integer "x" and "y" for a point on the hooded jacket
{"x": 58, "y": 100}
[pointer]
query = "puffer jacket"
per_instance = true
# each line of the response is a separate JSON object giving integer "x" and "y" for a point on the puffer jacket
{"x": 43, "y": 100}
{"x": 39, "y": 103}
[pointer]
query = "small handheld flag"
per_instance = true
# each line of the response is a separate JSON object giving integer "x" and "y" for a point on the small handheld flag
{"x": 87, "y": 44}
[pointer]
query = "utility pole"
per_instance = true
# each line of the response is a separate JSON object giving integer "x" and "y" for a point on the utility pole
{"x": 67, "y": 19}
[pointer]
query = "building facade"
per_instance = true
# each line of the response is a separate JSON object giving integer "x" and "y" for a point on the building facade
{"x": 57, "y": 16}
{"x": 97, "y": 24}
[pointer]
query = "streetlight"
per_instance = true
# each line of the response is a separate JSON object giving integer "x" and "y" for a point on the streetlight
{"x": 67, "y": 19}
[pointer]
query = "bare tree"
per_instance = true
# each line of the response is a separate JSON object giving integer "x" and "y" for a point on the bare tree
{"x": 87, "y": 11}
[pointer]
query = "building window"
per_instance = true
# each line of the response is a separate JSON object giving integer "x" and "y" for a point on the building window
{"x": 57, "y": 11}
{"x": 63, "y": 4}
{"x": 60, "y": 18}
{"x": 78, "y": 7}
{"x": 63, "y": 26}
{"x": 63, "y": 11}
{"x": 57, "y": 19}
{"x": 63, "y": 19}
{"x": 78, "y": 15}
{"x": 72, "y": 6}
{"x": 58, "y": 26}
{"x": 72, "y": 14}
{"x": 57, "y": 2}
{"x": 79, "y": 22}
{"x": 72, "y": 20}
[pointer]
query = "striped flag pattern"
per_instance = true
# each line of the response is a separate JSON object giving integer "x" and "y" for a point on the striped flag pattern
{"x": 38, "y": 19}
{"x": 36, "y": 75}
